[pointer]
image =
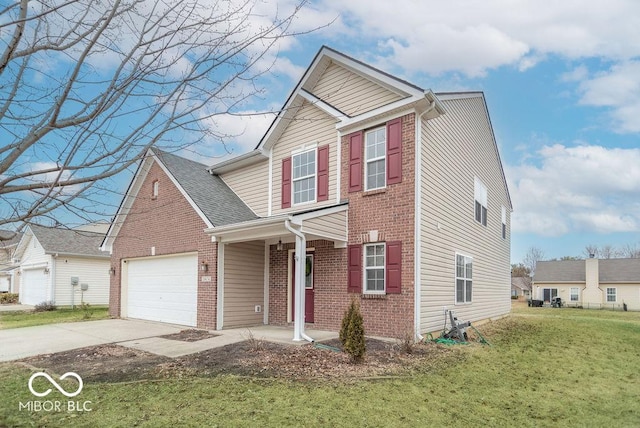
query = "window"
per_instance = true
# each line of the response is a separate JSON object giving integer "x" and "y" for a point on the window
{"x": 480, "y": 195}
{"x": 464, "y": 283}
{"x": 611, "y": 294}
{"x": 504, "y": 223}
{"x": 154, "y": 189}
{"x": 304, "y": 177}
{"x": 575, "y": 294}
{"x": 374, "y": 265}
{"x": 375, "y": 153}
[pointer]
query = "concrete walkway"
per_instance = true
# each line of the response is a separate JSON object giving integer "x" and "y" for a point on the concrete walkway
{"x": 15, "y": 307}
{"x": 143, "y": 335}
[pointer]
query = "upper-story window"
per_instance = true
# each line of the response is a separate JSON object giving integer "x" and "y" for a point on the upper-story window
{"x": 304, "y": 177}
{"x": 504, "y": 223}
{"x": 375, "y": 152}
{"x": 480, "y": 197}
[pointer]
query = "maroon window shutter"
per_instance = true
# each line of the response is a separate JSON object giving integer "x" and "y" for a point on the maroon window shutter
{"x": 286, "y": 182}
{"x": 323, "y": 173}
{"x": 394, "y": 151}
{"x": 394, "y": 266}
{"x": 354, "y": 270}
{"x": 355, "y": 162}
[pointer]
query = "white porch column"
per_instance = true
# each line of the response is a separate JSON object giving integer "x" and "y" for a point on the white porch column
{"x": 300, "y": 258}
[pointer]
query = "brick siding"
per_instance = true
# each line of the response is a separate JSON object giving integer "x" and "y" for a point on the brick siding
{"x": 168, "y": 223}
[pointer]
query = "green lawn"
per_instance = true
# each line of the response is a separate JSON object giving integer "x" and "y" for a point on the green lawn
{"x": 545, "y": 368}
{"x": 30, "y": 318}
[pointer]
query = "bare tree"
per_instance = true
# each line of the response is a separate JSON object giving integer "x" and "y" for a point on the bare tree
{"x": 87, "y": 86}
{"x": 591, "y": 251}
{"x": 608, "y": 252}
{"x": 630, "y": 251}
{"x": 531, "y": 259}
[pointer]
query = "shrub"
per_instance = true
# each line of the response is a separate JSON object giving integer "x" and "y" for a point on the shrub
{"x": 7, "y": 298}
{"x": 352, "y": 332}
{"x": 45, "y": 306}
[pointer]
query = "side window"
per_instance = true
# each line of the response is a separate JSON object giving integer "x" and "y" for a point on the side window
{"x": 575, "y": 294}
{"x": 504, "y": 223}
{"x": 464, "y": 279}
{"x": 155, "y": 187}
{"x": 611, "y": 294}
{"x": 480, "y": 197}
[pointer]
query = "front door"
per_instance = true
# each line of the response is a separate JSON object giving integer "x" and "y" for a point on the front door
{"x": 308, "y": 287}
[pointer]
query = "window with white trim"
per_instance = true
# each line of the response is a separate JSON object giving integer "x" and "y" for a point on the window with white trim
{"x": 374, "y": 266}
{"x": 611, "y": 294}
{"x": 480, "y": 197}
{"x": 504, "y": 223}
{"x": 464, "y": 281}
{"x": 304, "y": 177}
{"x": 575, "y": 294}
{"x": 375, "y": 154}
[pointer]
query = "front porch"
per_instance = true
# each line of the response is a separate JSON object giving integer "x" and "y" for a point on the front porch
{"x": 268, "y": 270}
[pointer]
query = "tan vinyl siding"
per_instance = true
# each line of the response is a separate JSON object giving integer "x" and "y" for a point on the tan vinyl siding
{"x": 457, "y": 147}
{"x": 251, "y": 184}
{"x": 243, "y": 284}
{"x": 625, "y": 293}
{"x": 93, "y": 272}
{"x": 309, "y": 126}
{"x": 331, "y": 225}
{"x": 351, "y": 93}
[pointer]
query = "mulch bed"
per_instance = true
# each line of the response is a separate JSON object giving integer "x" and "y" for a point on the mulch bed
{"x": 256, "y": 358}
{"x": 190, "y": 335}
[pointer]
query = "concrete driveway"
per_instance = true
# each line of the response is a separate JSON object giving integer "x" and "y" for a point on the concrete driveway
{"x": 25, "y": 342}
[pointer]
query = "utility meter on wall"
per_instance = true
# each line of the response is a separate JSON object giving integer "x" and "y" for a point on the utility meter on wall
{"x": 74, "y": 281}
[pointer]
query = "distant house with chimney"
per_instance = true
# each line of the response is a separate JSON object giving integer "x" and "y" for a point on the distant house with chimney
{"x": 590, "y": 283}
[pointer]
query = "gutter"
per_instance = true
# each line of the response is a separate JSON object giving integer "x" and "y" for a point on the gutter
{"x": 418, "y": 221}
{"x": 298, "y": 322}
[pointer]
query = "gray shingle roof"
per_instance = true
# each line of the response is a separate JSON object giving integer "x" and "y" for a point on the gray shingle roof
{"x": 521, "y": 282}
{"x": 619, "y": 270}
{"x": 68, "y": 241}
{"x": 212, "y": 195}
{"x": 560, "y": 271}
{"x": 9, "y": 238}
{"x": 609, "y": 270}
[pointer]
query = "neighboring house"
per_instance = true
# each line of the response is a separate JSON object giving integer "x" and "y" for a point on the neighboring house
{"x": 9, "y": 281}
{"x": 590, "y": 283}
{"x": 55, "y": 264}
{"x": 364, "y": 187}
{"x": 521, "y": 287}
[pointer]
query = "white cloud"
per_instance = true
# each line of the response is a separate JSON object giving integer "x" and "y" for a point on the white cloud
{"x": 243, "y": 131}
{"x": 576, "y": 189}
{"x": 472, "y": 37}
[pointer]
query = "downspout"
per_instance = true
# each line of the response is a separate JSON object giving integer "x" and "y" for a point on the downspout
{"x": 52, "y": 272}
{"x": 300, "y": 256}
{"x": 418, "y": 223}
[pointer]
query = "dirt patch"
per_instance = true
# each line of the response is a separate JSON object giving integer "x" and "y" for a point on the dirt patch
{"x": 113, "y": 363}
{"x": 190, "y": 335}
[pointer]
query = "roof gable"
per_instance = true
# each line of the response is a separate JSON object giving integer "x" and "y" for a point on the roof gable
{"x": 210, "y": 197}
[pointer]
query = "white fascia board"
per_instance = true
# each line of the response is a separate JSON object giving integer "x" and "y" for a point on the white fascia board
{"x": 297, "y": 218}
{"x": 245, "y": 159}
{"x": 127, "y": 202}
{"x": 27, "y": 235}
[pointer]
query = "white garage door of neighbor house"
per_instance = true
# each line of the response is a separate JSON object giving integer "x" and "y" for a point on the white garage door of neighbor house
{"x": 163, "y": 289}
{"x": 34, "y": 287}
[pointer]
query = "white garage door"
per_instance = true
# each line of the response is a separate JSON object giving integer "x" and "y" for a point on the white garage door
{"x": 34, "y": 287}
{"x": 163, "y": 289}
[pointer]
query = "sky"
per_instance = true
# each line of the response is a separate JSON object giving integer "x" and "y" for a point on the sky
{"x": 562, "y": 83}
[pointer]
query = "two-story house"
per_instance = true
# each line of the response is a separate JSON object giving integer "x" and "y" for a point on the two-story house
{"x": 365, "y": 186}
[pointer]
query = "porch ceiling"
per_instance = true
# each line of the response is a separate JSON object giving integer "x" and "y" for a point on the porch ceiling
{"x": 328, "y": 223}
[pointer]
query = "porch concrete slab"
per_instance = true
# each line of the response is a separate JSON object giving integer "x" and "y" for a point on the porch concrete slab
{"x": 16, "y": 308}
{"x": 285, "y": 334}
